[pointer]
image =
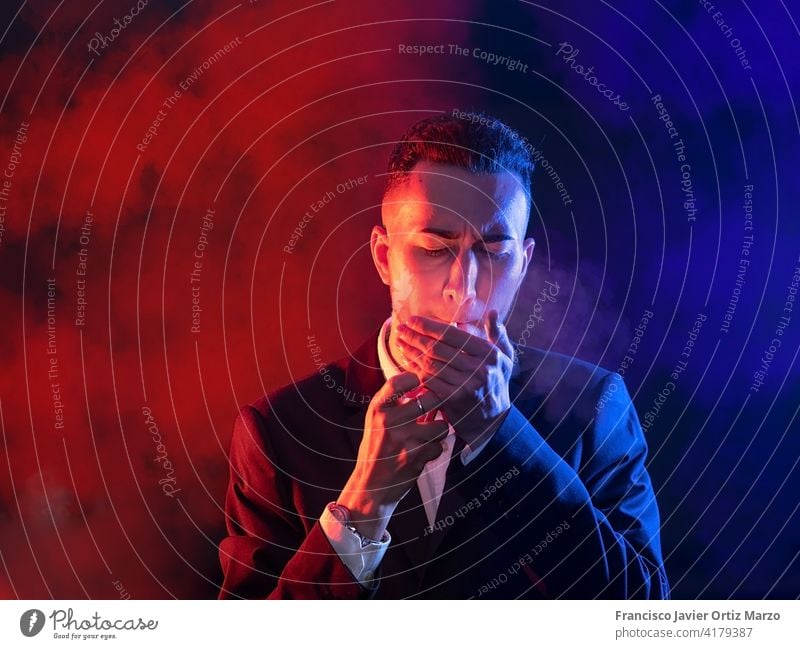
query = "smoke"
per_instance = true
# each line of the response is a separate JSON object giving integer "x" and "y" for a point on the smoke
{"x": 119, "y": 300}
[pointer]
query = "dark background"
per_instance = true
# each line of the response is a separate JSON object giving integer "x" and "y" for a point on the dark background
{"x": 312, "y": 96}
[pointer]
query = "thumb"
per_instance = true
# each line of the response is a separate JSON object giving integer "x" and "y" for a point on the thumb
{"x": 492, "y": 327}
{"x": 399, "y": 384}
{"x": 497, "y": 333}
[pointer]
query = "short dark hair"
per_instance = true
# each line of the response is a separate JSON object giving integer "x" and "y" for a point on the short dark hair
{"x": 476, "y": 141}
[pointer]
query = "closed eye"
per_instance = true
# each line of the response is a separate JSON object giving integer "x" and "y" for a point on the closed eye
{"x": 494, "y": 254}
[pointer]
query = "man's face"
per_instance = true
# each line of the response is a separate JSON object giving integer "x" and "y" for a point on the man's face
{"x": 453, "y": 245}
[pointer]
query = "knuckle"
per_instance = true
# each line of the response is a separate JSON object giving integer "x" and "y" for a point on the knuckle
{"x": 424, "y": 456}
{"x": 398, "y": 380}
{"x": 396, "y": 436}
{"x": 393, "y": 425}
{"x": 411, "y": 447}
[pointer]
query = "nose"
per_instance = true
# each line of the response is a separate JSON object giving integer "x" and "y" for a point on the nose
{"x": 460, "y": 287}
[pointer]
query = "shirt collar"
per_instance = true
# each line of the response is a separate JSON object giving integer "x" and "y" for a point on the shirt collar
{"x": 384, "y": 358}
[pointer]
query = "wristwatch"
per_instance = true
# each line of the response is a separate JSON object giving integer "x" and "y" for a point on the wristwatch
{"x": 342, "y": 514}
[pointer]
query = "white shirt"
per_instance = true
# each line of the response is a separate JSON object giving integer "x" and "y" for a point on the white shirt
{"x": 363, "y": 562}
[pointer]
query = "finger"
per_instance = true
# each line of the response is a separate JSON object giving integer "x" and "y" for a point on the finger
{"x": 426, "y": 453}
{"x": 426, "y": 368}
{"x": 442, "y": 390}
{"x": 438, "y": 351}
{"x": 432, "y": 447}
{"x": 491, "y": 326}
{"x": 434, "y": 431}
{"x": 396, "y": 386}
{"x": 408, "y": 409}
{"x": 449, "y": 334}
{"x": 413, "y": 344}
{"x": 497, "y": 333}
{"x": 446, "y": 393}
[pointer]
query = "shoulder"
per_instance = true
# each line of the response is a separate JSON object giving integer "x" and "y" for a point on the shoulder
{"x": 583, "y": 410}
{"x": 277, "y": 433}
{"x": 563, "y": 389}
{"x": 314, "y": 391}
{"x": 560, "y": 378}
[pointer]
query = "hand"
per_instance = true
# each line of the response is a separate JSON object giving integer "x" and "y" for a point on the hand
{"x": 393, "y": 451}
{"x": 469, "y": 374}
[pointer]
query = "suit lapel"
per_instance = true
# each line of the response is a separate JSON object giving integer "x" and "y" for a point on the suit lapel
{"x": 456, "y": 493}
{"x": 408, "y": 529}
{"x": 362, "y": 379}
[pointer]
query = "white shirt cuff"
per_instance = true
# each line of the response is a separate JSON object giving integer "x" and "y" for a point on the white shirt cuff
{"x": 361, "y": 562}
{"x": 468, "y": 454}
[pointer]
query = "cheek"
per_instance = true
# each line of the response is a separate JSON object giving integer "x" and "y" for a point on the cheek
{"x": 402, "y": 285}
{"x": 498, "y": 282}
{"x": 413, "y": 288}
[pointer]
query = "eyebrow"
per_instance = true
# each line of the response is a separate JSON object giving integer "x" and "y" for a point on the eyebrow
{"x": 449, "y": 234}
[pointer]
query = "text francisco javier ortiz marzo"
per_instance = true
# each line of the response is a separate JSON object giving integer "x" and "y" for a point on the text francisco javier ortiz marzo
{"x": 64, "y": 620}
{"x": 731, "y": 615}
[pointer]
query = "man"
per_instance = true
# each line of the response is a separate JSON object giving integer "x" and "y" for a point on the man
{"x": 438, "y": 461}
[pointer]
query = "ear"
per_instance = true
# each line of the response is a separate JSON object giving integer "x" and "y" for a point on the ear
{"x": 379, "y": 246}
{"x": 527, "y": 249}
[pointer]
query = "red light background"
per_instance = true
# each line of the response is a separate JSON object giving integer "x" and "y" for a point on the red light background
{"x": 305, "y": 100}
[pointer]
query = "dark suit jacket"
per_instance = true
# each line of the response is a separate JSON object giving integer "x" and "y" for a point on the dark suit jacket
{"x": 561, "y": 504}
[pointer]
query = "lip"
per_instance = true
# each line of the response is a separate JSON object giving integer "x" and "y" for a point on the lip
{"x": 458, "y": 322}
{"x": 461, "y": 324}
